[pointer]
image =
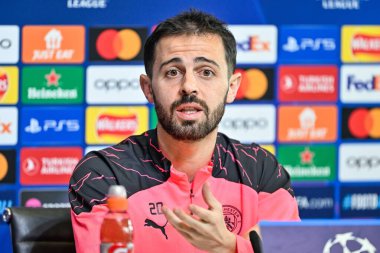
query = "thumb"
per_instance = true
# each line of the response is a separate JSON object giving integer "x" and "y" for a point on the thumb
{"x": 209, "y": 198}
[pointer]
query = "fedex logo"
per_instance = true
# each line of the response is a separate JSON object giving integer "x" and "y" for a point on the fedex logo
{"x": 360, "y": 83}
{"x": 293, "y": 45}
{"x": 370, "y": 84}
{"x": 309, "y": 43}
{"x": 48, "y": 125}
{"x": 255, "y": 43}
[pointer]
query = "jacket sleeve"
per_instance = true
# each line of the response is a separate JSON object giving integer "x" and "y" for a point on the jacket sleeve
{"x": 88, "y": 188}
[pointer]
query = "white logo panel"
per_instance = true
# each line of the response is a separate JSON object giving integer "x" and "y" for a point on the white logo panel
{"x": 9, "y": 43}
{"x": 114, "y": 85}
{"x": 255, "y": 43}
{"x": 8, "y": 125}
{"x": 249, "y": 123}
{"x": 360, "y": 84}
{"x": 359, "y": 162}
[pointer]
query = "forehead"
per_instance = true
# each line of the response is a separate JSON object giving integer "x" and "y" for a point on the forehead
{"x": 205, "y": 45}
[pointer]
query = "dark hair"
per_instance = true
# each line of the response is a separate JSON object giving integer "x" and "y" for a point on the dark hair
{"x": 191, "y": 22}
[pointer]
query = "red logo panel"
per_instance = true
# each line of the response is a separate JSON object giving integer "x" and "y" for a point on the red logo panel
{"x": 308, "y": 83}
{"x": 48, "y": 166}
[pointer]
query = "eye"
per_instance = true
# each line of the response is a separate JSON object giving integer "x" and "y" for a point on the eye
{"x": 207, "y": 73}
{"x": 172, "y": 72}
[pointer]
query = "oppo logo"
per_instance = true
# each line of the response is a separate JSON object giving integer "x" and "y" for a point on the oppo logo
{"x": 5, "y": 43}
{"x": 117, "y": 84}
{"x": 363, "y": 162}
{"x": 246, "y": 124}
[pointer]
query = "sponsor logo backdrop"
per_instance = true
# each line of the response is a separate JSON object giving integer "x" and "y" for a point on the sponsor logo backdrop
{"x": 69, "y": 81}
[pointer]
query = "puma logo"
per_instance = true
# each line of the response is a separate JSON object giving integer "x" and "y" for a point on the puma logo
{"x": 150, "y": 223}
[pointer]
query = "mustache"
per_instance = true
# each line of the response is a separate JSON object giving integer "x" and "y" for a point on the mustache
{"x": 190, "y": 99}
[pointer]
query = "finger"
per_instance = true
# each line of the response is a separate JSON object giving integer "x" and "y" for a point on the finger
{"x": 209, "y": 198}
{"x": 194, "y": 225}
{"x": 203, "y": 214}
{"x": 174, "y": 220}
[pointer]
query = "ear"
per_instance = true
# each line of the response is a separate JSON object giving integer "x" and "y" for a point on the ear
{"x": 234, "y": 84}
{"x": 146, "y": 87}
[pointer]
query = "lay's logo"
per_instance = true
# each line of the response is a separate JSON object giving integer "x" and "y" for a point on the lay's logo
{"x": 116, "y": 125}
{"x": 361, "y": 43}
{"x": 110, "y": 125}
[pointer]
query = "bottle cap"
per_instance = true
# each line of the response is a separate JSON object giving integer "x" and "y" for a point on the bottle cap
{"x": 117, "y": 198}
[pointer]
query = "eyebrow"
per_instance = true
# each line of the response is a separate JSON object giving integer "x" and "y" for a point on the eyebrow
{"x": 196, "y": 60}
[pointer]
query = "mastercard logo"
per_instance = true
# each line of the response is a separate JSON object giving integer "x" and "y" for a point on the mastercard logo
{"x": 364, "y": 123}
{"x": 116, "y": 44}
{"x": 254, "y": 84}
{"x": 3, "y": 166}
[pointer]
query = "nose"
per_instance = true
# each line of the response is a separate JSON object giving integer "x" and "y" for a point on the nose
{"x": 189, "y": 85}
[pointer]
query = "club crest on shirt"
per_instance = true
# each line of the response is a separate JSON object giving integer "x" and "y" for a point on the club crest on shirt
{"x": 232, "y": 218}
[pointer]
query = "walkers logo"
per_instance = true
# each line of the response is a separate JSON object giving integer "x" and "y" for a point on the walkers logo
{"x": 361, "y": 43}
{"x": 309, "y": 43}
{"x": 9, "y": 44}
{"x": 358, "y": 201}
{"x": 110, "y": 125}
{"x": 359, "y": 162}
{"x": 8, "y": 125}
{"x": 361, "y": 123}
{"x": 47, "y": 85}
{"x": 117, "y": 44}
{"x": 256, "y": 84}
{"x": 315, "y": 202}
{"x": 53, "y": 44}
{"x": 270, "y": 148}
{"x": 47, "y": 166}
{"x": 360, "y": 84}
{"x": 114, "y": 84}
{"x": 255, "y": 43}
{"x": 308, "y": 163}
{"x": 8, "y": 85}
{"x": 314, "y": 123}
{"x": 308, "y": 83}
{"x": 249, "y": 123}
{"x": 7, "y": 166}
{"x": 52, "y": 125}
{"x": 49, "y": 198}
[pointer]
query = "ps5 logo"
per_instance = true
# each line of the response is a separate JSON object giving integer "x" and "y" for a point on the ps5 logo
{"x": 293, "y": 45}
{"x": 69, "y": 125}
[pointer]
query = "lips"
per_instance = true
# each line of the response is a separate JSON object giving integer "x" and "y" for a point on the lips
{"x": 189, "y": 108}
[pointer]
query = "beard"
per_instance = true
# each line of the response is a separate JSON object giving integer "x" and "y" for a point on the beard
{"x": 189, "y": 130}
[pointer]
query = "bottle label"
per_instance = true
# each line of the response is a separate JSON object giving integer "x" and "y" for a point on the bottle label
{"x": 116, "y": 247}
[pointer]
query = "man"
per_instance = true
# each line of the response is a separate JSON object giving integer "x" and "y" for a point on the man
{"x": 190, "y": 188}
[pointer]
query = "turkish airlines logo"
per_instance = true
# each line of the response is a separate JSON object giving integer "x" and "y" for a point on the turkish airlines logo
{"x": 117, "y": 44}
{"x": 308, "y": 83}
{"x": 256, "y": 84}
{"x": 317, "y": 123}
{"x": 317, "y": 44}
{"x": 255, "y": 44}
{"x": 69, "y": 125}
{"x": 361, "y": 123}
{"x": 53, "y": 44}
{"x": 48, "y": 165}
{"x": 116, "y": 125}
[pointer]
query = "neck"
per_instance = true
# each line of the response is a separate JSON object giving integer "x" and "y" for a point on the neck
{"x": 187, "y": 156}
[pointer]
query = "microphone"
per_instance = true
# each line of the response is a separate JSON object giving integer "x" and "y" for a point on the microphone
{"x": 256, "y": 242}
